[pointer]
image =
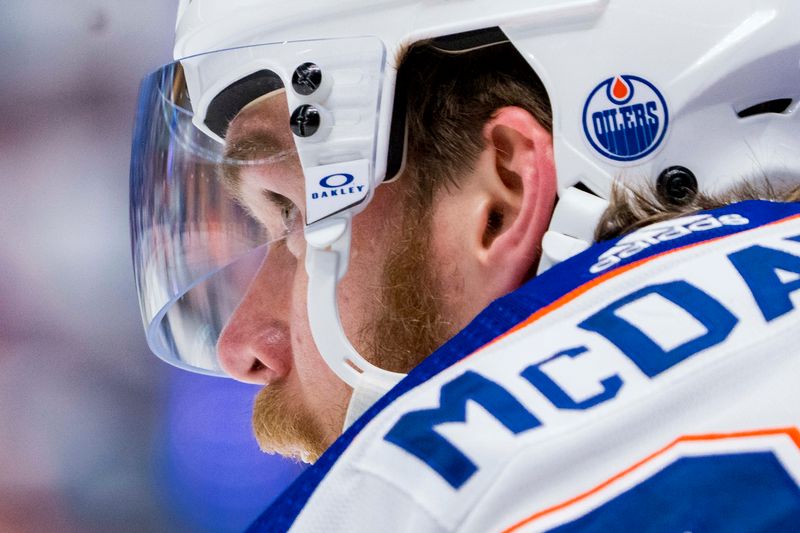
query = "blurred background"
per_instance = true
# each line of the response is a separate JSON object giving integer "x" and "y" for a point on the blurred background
{"x": 96, "y": 433}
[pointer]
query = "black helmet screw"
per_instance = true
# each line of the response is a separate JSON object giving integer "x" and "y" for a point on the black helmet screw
{"x": 306, "y": 79}
{"x": 677, "y": 185}
{"x": 305, "y": 120}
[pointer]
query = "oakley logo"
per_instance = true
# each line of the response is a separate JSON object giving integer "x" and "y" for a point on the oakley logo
{"x": 334, "y": 181}
{"x": 641, "y": 240}
{"x": 337, "y": 185}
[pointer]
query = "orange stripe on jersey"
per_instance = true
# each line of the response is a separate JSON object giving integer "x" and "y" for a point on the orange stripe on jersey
{"x": 792, "y": 432}
{"x": 609, "y": 275}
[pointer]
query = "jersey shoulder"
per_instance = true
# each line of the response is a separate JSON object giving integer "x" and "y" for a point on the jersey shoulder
{"x": 641, "y": 337}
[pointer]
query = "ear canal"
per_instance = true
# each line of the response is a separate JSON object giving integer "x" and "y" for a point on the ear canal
{"x": 494, "y": 224}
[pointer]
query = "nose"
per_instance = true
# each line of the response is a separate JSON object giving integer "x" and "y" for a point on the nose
{"x": 255, "y": 351}
{"x": 255, "y": 345}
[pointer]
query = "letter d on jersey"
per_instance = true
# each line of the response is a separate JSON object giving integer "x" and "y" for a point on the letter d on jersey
{"x": 651, "y": 358}
{"x": 415, "y": 432}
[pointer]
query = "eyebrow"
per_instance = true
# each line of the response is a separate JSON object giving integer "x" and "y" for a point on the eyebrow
{"x": 258, "y": 145}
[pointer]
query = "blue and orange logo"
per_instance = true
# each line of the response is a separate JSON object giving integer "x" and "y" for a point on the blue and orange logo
{"x": 625, "y": 118}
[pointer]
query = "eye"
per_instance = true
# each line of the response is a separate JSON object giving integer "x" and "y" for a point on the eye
{"x": 290, "y": 215}
{"x": 288, "y": 211}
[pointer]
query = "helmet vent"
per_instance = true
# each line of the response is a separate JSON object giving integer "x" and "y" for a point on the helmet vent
{"x": 779, "y": 105}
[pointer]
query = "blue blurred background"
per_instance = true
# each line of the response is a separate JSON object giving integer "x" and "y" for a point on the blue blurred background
{"x": 96, "y": 434}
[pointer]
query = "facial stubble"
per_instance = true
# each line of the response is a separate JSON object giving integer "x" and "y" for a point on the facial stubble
{"x": 408, "y": 324}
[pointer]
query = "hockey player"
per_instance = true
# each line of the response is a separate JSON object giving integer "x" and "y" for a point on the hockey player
{"x": 641, "y": 383}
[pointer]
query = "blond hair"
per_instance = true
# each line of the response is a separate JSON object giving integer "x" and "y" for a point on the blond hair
{"x": 631, "y": 209}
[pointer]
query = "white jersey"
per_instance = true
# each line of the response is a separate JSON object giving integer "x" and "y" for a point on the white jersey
{"x": 651, "y": 383}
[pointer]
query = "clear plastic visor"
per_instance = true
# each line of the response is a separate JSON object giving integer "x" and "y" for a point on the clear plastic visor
{"x": 218, "y": 193}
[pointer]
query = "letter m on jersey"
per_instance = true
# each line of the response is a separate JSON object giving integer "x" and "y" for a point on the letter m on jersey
{"x": 415, "y": 432}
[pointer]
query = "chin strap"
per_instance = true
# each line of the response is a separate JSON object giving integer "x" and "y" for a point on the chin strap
{"x": 327, "y": 257}
{"x": 572, "y": 226}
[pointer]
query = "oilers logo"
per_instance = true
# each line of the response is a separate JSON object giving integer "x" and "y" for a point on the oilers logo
{"x": 625, "y": 118}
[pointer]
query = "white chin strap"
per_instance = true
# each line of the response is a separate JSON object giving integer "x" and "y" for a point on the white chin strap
{"x": 327, "y": 256}
{"x": 572, "y": 226}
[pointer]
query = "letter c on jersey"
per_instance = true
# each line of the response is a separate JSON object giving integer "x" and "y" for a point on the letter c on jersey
{"x": 556, "y": 394}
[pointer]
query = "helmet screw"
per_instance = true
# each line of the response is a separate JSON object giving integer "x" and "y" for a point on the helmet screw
{"x": 306, "y": 79}
{"x": 305, "y": 120}
{"x": 677, "y": 185}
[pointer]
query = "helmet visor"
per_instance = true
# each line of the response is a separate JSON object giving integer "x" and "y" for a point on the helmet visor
{"x": 219, "y": 180}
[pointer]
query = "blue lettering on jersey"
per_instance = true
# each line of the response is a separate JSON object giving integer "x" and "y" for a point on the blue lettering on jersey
{"x": 759, "y": 267}
{"x": 643, "y": 351}
{"x": 539, "y": 379}
{"x": 500, "y": 317}
{"x": 415, "y": 431}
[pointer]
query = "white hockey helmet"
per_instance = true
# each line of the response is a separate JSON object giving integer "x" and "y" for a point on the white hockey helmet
{"x": 681, "y": 92}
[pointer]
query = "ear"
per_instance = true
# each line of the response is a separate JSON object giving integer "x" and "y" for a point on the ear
{"x": 517, "y": 183}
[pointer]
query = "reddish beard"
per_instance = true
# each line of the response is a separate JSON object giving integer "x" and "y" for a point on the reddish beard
{"x": 283, "y": 425}
{"x": 407, "y": 326}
